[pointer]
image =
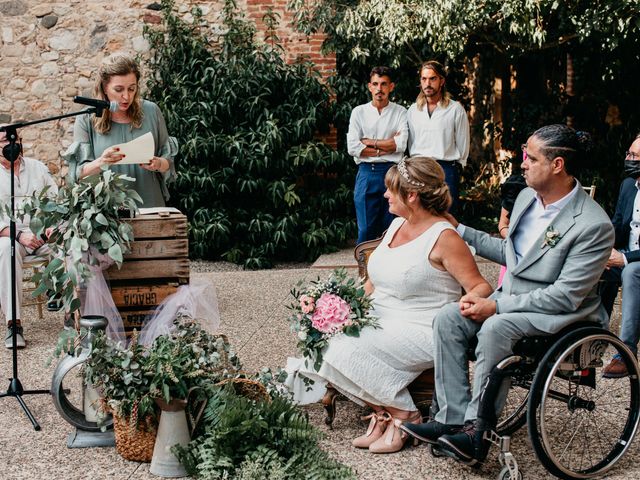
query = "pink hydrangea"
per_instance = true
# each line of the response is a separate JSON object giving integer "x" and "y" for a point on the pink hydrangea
{"x": 306, "y": 304}
{"x": 331, "y": 314}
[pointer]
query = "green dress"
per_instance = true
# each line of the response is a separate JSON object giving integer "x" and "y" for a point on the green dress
{"x": 151, "y": 186}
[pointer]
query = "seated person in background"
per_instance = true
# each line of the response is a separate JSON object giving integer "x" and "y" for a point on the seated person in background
{"x": 419, "y": 266}
{"x": 624, "y": 263}
{"x": 31, "y": 176}
{"x": 558, "y": 243}
{"x": 509, "y": 191}
{"x": 94, "y": 138}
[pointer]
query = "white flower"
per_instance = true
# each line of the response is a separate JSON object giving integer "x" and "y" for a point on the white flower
{"x": 302, "y": 335}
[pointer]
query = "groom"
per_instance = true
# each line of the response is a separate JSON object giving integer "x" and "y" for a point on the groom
{"x": 558, "y": 243}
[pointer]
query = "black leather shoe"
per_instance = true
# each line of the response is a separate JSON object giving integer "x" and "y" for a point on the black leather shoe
{"x": 430, "y": 431}
{"x": 467, "y": 445}
{"x": 55, "y": 303}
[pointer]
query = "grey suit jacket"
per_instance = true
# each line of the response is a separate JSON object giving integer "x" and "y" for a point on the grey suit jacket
{"x": 553, "y": 286}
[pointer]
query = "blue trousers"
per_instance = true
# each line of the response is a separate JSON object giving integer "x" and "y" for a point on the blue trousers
{"x": 629, "y": 276}
{"x": 372, "y": 209}
{"x": 452, "y": 178}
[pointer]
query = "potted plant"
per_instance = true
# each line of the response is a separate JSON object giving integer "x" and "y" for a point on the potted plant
{"x": 136, "y": 382}
{"x": 121, "y": 376}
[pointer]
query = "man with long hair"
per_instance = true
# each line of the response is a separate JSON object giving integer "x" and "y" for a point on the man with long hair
{"x": 439, "y": 127}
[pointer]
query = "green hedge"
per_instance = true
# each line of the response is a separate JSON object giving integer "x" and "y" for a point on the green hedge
{"x": 254, "y": 181}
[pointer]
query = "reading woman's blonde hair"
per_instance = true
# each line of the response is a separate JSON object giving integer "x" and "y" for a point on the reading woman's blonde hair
{"x": 115, "y": 65}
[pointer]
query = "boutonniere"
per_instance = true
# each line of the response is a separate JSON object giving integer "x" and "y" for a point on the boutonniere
{"x": 551, "y": 237}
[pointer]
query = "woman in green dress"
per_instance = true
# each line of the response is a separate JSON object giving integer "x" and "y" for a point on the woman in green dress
{"x": 95, "y": 137}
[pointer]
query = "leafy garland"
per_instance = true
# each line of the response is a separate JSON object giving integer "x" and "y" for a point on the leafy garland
{"x": 85, "y": 225}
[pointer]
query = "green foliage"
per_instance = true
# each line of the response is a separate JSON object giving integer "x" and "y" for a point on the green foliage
{"x": 249, "y": 439}
{"x": 187, "y": 358}
{"x": 523, "y": 44}
{"x": 373, "y": 29}
{"x": 120, "y": 374}
{"x": 255, "y": 183}
{"x": 84, "y": 227}
{"x": 129, "y": 377}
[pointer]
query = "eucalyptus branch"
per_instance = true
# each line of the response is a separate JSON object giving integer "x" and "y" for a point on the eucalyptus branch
{"x": 85, "y": 230}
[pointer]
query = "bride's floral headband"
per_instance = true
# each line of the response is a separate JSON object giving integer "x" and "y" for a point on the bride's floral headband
{"x": 402, "y": 169}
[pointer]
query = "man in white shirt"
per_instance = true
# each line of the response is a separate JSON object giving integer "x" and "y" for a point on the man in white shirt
{"x": 623, "y": 266}
{"x": 377, "y": 139}
{"x": 31, "y": 176}
{"x": 557, "y": 246}
{"x": 439, "y": 127}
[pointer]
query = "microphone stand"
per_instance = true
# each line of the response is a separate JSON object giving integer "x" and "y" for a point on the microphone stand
{"x": 15, "y": 387}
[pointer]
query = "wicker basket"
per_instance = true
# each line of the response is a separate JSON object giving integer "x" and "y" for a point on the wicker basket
{"x": 135, "y": 442}
{"x": 248, "y": 388}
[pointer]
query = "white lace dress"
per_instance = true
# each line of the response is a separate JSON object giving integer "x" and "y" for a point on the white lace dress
{"x": 377, "y": 366}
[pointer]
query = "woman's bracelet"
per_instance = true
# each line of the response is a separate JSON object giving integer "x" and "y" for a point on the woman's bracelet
{"x": 502, "y": 228}
{"x": 375, "y": 144}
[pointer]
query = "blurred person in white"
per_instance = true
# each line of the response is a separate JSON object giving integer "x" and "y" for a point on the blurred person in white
{"x": 31, "y": 176}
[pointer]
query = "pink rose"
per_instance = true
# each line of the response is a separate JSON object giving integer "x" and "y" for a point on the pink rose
{"x": 306, "y": 304}
{"x": 331, "y": 314}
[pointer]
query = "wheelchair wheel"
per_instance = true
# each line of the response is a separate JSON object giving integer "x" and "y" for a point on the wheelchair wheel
{"x": 514, "y": 414}
{"x": 580, "y": 424}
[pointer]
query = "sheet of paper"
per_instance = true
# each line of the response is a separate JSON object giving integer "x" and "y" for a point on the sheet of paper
{"x": 138, "y": 150}
{"x": 160, "y": 210}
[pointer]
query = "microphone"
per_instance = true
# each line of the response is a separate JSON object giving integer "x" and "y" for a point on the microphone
{"x": 94, "y": 102}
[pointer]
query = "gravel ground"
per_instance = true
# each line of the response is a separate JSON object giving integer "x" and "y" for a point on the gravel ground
{"x": 253, "y": 315}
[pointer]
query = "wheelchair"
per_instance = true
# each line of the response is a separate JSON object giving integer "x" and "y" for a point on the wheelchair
{"x": 579, "y": 423}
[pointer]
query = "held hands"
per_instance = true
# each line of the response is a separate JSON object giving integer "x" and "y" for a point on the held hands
{"x": 29, "y": 240}
{"x": 157, "y": 164}
{"x": 477, "y": 308}
{"x": 616, "y": 259}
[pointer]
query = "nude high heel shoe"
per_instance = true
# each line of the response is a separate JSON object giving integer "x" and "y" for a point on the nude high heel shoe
{"x": 394, "y": 439}
{"x": 377, "y": 426}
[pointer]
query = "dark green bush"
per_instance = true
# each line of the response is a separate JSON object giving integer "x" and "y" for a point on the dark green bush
{"x": 254, "y": 181}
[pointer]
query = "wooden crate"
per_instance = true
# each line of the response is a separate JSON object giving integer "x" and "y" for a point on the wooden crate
{"x": 135, "y": 302}
{"x": 154, "y": 268}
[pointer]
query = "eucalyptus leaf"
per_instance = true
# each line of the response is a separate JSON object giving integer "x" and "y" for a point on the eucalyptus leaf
{"x": 115, "y": 252}
{"x": 101, "y": 219}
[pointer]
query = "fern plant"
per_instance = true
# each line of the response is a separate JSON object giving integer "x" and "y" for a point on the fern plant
{"x": 254, "y": 440}
{"x": 254, "y": 181}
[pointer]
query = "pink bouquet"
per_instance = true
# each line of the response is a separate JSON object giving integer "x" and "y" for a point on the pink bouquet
{"x": 327, "y": 308}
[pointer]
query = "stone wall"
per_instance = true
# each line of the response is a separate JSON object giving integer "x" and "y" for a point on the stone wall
{"x": 49, "y": 53}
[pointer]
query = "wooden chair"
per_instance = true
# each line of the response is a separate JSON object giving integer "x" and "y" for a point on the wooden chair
{"x": 591, "y": 190}
{"x": 30, "y": 264}
{"x": 421, "y": 389}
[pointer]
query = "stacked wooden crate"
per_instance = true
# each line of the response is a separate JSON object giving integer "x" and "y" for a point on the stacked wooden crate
{"x": 156, "y": 266}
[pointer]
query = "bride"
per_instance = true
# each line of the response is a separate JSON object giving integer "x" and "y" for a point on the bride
{"x": 420, "y": 266}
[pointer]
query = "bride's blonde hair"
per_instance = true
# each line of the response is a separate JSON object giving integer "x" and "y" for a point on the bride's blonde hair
{"x": 424, "y": 176}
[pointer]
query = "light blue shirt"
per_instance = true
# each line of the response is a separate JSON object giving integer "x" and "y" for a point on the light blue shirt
{"x": 535, "y": 220}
